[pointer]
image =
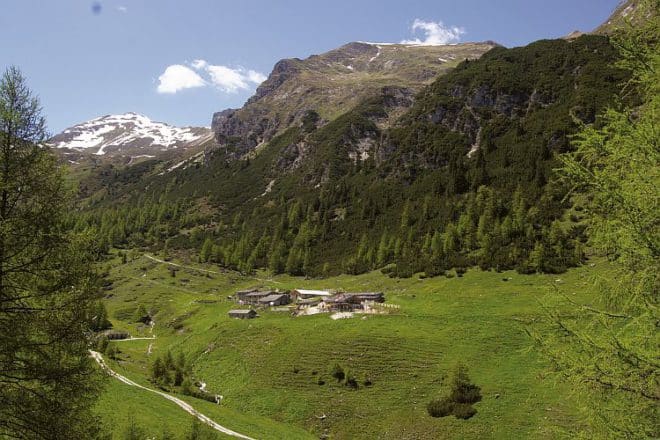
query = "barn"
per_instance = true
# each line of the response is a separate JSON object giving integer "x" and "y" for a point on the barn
{"x": 276, "y": 299}
{"x": 298, "y": 294}
{"x": 243, "y": 314}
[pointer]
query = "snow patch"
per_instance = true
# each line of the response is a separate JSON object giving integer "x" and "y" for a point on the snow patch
{"x": 115, "y": 130}
{"x": 373, "y": 58}
{"x": 269, "y": 188}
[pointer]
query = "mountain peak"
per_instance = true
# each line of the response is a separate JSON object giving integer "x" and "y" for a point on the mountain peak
{"x": 333, "y": 82}
{"x": 126, "y": 134}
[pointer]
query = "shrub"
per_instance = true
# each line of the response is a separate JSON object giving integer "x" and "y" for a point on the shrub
{"x": 141, "y": 315}
{"x": 186, "y": 386}
{"x": 462, "y": 390}
{"x": 178, "y": 378}
{"x": 102, "y": 345}
{"x": 461, "y": 397}
{"x": 440, "y": 408}
{"x": 338, "y": 373}
{"x": 463, "y": 411}
{"x": 351, "y": 382}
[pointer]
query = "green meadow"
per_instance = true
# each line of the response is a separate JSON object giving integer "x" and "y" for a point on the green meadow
{"x": 274, "y": 372}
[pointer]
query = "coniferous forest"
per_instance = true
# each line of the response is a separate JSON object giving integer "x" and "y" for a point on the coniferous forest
{"x": 498, "y": 208}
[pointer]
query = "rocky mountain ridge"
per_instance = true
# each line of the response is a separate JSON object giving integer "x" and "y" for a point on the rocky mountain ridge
{"x": 332, "y": 83}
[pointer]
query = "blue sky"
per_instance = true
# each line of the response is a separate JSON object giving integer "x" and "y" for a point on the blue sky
{"x": 179, "y": 61}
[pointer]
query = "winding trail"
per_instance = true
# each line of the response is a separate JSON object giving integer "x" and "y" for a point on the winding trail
{"x": 158, "y": 260}
{"x": 184, "y": 405}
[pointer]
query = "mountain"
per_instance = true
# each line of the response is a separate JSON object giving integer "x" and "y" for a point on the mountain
{"x": 128, "y": 135}
{"x": 456, "y": 175}
{"x": 629, "y": 12}
{"x": 328, "y": 85}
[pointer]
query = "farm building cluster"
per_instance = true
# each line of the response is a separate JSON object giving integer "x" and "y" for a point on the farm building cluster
{"x": 306, "y": 302}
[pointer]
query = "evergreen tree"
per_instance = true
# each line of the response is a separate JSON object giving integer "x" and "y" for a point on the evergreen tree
{"x": 46, "y": 284}
{"x": 610, "y": 349}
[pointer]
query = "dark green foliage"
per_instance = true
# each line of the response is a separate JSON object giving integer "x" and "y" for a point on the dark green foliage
{"x": 99, "y": 319}
{"x": 170, "y": 374}
{"x": 459, "y": 402}
{"x": 141, "y": 315}
{"x": 422, "y": 204}
{"x": 133, "y": 431}
{"x": 338, "y": 373}
{"x": 463, "y": 411}
{"x": 440, "y": 408}
{"x": 102, "y": 345}
{"x": 112, "y": 351}
{"x": 462, "y": 390}
{"x": 48, "y": 382}
{"x": 199, "y": 431}
{"x": 351, "y": 382}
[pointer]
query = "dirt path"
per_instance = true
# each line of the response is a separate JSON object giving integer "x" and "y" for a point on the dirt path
{"x": 134, "y": 339}
{"x": 158, "y": 260}
{"x": 184, "y": 405}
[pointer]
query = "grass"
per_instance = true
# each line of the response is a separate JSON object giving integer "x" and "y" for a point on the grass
{"x": 268, "y": 369}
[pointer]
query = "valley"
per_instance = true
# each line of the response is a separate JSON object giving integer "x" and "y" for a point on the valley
{"x": 269, "y": 369}
{"x": 442, "y": 236}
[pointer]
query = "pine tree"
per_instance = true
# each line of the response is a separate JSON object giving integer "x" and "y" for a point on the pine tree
{"x": 206, "y": 252}
{"x": 46, "y": 283}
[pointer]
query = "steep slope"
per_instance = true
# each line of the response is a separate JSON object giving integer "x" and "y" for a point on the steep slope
{"x": 462, "y": 178}
{"x": 629, "y": 12}
{"x": 332, "y": 83}
{"x": 128, "y": 134}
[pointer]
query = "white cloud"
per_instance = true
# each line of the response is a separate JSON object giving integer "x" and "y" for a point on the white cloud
{"x": 177, "y": 77}
{"x": 122, "y": 9}
{"x": 199, "y": 64}
{"x": 229, "y": 80}
{"x": 435, "y": 33}
{"x": 256, "y": 77}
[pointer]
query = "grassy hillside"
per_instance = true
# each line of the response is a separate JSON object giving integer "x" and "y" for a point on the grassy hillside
{"x": 269, "y": 369}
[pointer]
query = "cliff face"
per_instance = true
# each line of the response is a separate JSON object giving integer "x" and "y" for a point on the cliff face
{"x": 332, "y": 83}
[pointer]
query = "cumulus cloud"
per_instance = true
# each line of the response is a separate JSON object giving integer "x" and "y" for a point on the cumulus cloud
{"x": 199, "y": 64}
{"x": 256, "y": 77}
{"x": 435, "y": 33}
{"x": 178, "y": 77}
{"x": 199, "y": 73}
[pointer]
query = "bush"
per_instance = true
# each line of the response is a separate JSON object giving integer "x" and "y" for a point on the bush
{"x": 440, "y": 408}
{"x": 461, "y": 397}
{"x": 102, "y": 344}
{"x": 338, "y": 373}
{"x": 463, "y": 391}
{"x": 463, "y": 411}
{"x": 351, "y": 382}
{"x": 469, "y": 394}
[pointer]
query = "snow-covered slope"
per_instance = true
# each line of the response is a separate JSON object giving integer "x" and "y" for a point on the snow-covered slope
{"x": 128, "y": 134}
